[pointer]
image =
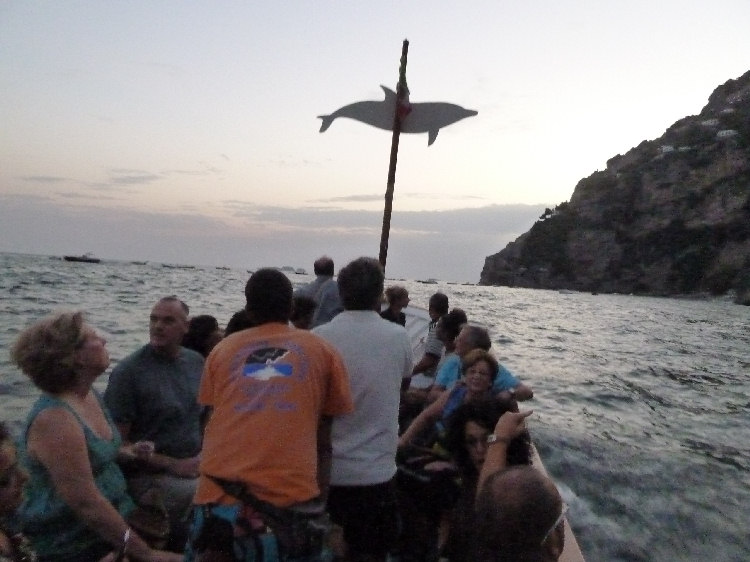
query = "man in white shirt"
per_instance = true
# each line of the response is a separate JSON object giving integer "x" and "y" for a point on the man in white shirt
{"x": 378, "y": 356}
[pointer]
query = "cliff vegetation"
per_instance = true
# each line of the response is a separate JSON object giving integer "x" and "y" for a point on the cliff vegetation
{"x": 669, "y": 217}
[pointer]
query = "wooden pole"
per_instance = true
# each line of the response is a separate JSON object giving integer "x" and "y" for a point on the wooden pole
{"x": 401, "y": 94}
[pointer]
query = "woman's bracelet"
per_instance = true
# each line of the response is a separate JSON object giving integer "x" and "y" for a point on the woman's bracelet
{"x": 494, "y": 438}
{"x": 123, "y": 548}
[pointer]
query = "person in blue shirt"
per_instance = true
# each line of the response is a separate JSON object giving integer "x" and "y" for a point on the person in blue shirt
{"x": 472, "y": 337}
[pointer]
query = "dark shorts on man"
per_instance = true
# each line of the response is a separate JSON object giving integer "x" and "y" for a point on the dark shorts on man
{"x": 368, "y": 516}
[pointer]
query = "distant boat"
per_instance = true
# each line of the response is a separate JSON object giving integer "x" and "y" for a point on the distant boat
{"x": 139, "y": 262}
{"x": 174, "y": 266}
{"x": 222, "y": 267}
{"x": 300, "y": 271}
{"x": 430, "y": 281}
{"x": 88, "y": 257}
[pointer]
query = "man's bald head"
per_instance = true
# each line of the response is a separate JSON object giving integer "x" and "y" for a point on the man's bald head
{"x": 515, "y": 515}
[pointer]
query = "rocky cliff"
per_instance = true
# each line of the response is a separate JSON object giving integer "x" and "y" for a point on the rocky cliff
{"x": 672, "y": 216}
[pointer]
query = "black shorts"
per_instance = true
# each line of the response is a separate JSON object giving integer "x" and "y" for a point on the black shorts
{"x": 368, "y": 516}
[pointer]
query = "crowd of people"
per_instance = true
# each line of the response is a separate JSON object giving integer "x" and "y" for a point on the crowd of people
{"x": 305, "y": 430}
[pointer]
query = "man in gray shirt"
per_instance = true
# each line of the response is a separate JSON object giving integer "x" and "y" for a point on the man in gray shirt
{"x": 324, "y": 291}
{"x": 152, "y": 395}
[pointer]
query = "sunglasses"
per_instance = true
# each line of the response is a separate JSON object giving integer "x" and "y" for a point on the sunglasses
{"x": 563, "y": 511}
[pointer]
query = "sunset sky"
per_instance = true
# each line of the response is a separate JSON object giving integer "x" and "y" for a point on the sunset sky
{"x": 187, "y": 132}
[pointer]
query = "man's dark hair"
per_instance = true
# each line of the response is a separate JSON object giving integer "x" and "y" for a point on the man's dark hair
{"x": 240, "y": 320}
{"x": 439, "y": 303}
{"x": 323, "y": 266}
{"x": 302, "y": 305}
{"x": 484, "y": 413}
{"x": 269, "y": 296}
{"x": 361, "y": 284}
{"x": 200, "y": 329}
{"x": 451, "y": 323}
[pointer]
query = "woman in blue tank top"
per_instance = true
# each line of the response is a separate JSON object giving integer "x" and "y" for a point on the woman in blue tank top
{"x": 76, "y": 498}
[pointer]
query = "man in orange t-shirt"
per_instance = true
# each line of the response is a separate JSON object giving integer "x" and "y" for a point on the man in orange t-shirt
{"x": 273, "y": 391}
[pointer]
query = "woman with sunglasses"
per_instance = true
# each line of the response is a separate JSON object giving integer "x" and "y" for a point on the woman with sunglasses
{"x": 469, "y": 428}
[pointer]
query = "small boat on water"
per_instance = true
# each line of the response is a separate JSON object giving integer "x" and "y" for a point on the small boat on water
{"x": 176, "y": 266}
{"x": 88, "y": 257}
{"x": 300, "y": 271}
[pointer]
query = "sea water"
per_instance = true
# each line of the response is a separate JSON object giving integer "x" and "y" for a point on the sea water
{"x": 641, "y": 408}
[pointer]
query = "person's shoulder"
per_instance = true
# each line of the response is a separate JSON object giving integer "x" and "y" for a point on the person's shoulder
{"x": 130, "y": 361}
{"x": 191, "y": 355}
{"x": 397, "y": 330}
{"x": 51, "y": 416}
{"x": 319, "y": 339}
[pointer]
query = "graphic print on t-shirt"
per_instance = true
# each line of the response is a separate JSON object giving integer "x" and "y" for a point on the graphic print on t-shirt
{"x": 263, "y": 364}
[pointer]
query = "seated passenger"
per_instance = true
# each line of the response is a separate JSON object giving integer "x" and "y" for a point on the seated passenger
{"x": 475, "y": 337}
{"x": 479, "y": 370}
{"x": 14, "y": 546}
{"x": 447, "y": 329}
{"x": 398, "y": 299}
{"x": 468, "y": 429}
{"x": 433, "y": 349}
{"x": 203, "y": 334}
{"x": 76, "y": 499}
{"x": 152, "y": 395}
{"x": 414, "y": 389}
{"x": 519, "y": 516}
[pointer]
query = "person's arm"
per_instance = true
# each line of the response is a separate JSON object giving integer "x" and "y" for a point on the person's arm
{"x": 427, "y": 362}
{"x": 56, "y": 440}
{"x": 426, "y": 418}
{"x": 436, "y": 390}
{"x": 509, "y": 426}
{"x": 508, "y": 387}
{"x": 325, "y": 455}
{"x": 520, "y": 392}
{"x": 182, "y": 468}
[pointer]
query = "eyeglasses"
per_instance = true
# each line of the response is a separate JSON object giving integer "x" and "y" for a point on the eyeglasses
{"x": 563, "y": 511}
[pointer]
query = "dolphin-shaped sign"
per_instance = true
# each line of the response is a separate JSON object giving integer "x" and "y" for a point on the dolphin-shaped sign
{"x": 427, "y": 117}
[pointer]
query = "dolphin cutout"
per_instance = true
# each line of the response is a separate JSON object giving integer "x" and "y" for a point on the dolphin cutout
{"x": 426, "y": 117}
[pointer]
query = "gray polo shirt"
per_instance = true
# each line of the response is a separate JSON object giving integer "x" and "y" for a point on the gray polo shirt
{"x": 157, "y": 396}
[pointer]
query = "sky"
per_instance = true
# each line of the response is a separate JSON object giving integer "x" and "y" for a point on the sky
{"x": 187, "y": 132}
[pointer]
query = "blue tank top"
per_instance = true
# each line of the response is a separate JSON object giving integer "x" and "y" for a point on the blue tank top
{"x": 52, "y": 527}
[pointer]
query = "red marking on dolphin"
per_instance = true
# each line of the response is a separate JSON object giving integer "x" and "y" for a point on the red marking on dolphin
{"x": 426, "y": 117}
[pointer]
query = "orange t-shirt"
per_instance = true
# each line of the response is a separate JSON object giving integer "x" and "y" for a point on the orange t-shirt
{"x": 269, "y": 386}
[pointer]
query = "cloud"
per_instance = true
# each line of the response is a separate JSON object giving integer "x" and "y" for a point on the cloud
{"x": 448, "y": 245}
{"x": 132, "y": 177}
{"x": 44, "y": 179}
{"x": 378, "y": 197}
